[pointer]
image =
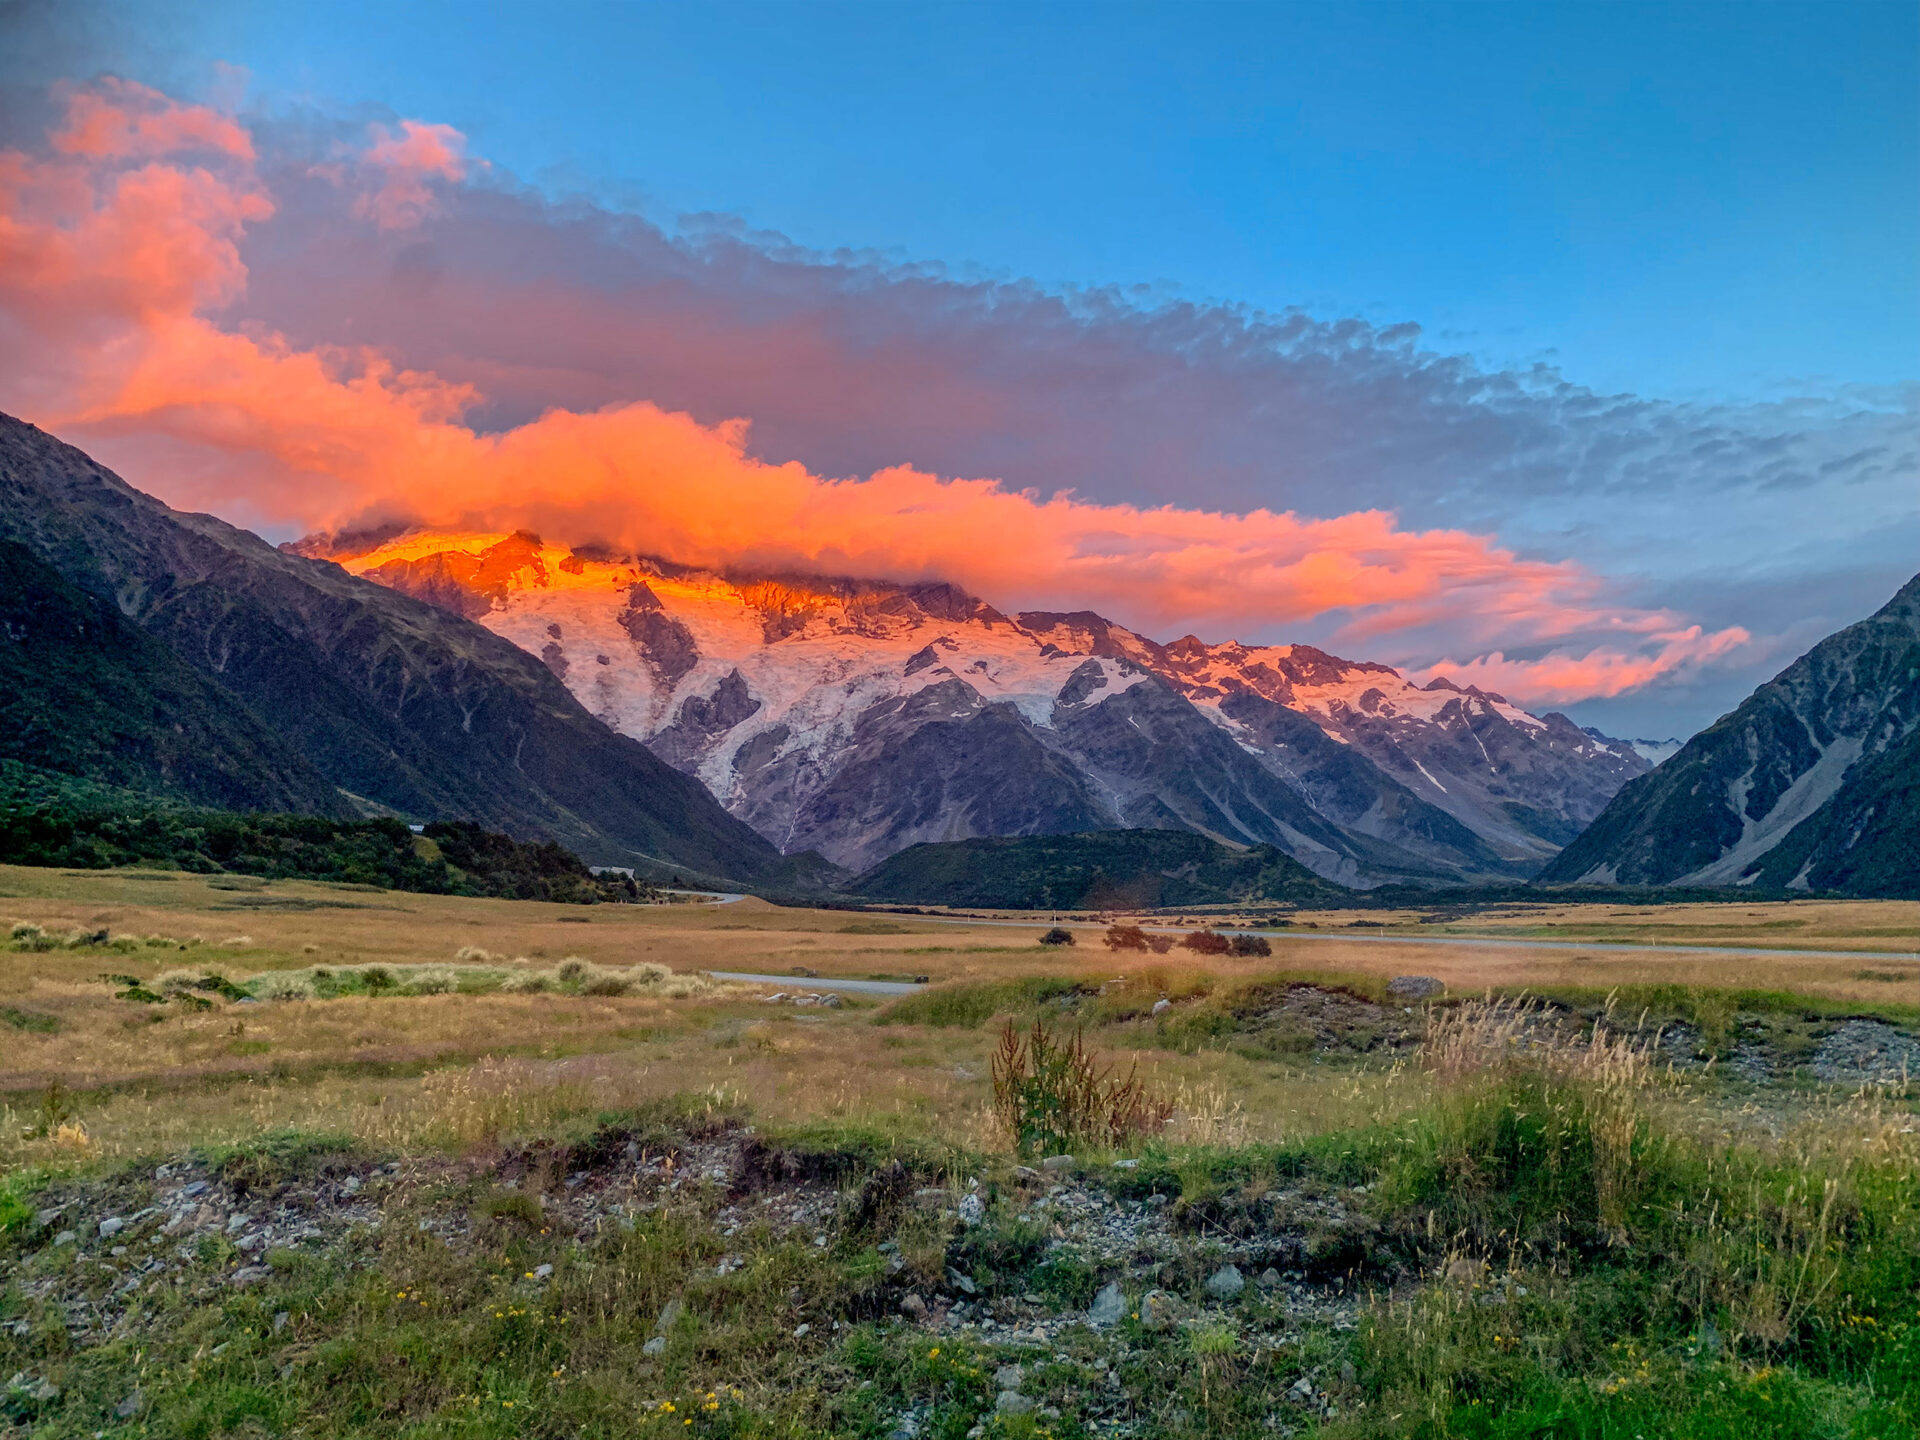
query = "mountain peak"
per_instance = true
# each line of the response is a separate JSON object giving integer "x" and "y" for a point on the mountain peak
{"x": 856, "y": 716}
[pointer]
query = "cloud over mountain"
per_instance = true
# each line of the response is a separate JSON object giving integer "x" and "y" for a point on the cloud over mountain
{"x": 307, "y": 324}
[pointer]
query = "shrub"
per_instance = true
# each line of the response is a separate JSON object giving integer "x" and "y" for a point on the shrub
{"x": 1207, "y": 942}
{"x": 177, "y": 984}
{"x": 282, "y": 986}
{"x": 1126, "y": 937}
{"x": 1251, "y": 945}
{"x": 1051, "y": 1095}
{"x": 1057, "y": 936}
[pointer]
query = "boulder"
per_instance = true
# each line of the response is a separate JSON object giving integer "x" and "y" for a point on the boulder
{"x": 1226, "y": 1283}
{"x": 1159, "y": 1310}
{"x": 1109, "y": 1306}
{"x": 1415, "y": 987}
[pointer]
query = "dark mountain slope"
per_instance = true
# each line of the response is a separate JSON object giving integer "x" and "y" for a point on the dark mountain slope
{"x": 1353, "y": 791}
{"x": 1864, "y": 841}
{"x": 1106, "y": 869}
{"x": 85, "y": 692}
{"x": 1810, "y": 783}
{"x": 391, "y": 699}
{"x": 1165, "y": 765}
{"x": 937, "y": 764}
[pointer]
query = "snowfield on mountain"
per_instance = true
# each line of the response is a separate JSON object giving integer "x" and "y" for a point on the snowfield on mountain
{"x": 858, "y": 717}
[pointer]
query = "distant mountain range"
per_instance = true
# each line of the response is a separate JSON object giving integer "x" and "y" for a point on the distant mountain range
{"x": 1812, "y": 783}
{"x": 177, "y": 653}
{"x": 856, "y": 718}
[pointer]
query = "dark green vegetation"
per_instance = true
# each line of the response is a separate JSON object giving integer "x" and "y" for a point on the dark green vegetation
{"x": 1177, "y": 869}
{"x": 1840, "y": 725}
{"x": 52, "y": 819}
{"x": 1533, "y": 1254}
{"x": 1102, "y": 869}
{"x": 85, "y": 692}
{"x": 416, "y": 709}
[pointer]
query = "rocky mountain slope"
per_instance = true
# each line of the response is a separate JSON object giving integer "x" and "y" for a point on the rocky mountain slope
{"x": 857, "y": 718}
{"x": 84, "y": 691}
{"x": 402, "y": 705}
{"x": 1813, "y": 782}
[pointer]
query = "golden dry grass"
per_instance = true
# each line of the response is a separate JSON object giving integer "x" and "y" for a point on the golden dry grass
{"x": 456, "y": 1069}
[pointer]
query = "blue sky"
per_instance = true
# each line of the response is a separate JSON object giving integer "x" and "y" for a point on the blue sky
{"x": 1675, "y": 199}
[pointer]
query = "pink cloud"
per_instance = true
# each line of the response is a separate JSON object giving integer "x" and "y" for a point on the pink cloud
{"x": 1561, "y": 678}
{"x": 405, "y": 163}
{"x": 114, "y": 254}
{"x": 120, "y": 119}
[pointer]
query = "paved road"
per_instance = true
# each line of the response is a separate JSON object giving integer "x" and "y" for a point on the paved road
{"x": 1474, "y": 942}
{"x": 822, "y": 982}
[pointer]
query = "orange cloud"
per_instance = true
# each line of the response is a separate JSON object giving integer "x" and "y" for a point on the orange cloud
{"x": 111, "y": 260}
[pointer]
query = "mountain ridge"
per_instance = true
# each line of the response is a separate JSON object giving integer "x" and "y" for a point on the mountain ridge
{"x": 404, "y": 703}
{"x": 85, "y": 692}
{"x": 858, "y": 717}
{"x": 1812, "y": 782}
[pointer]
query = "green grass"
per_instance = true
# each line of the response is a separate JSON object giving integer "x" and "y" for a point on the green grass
{"x": 1547, "y": 1258}
{"x": 973, "y": 1003}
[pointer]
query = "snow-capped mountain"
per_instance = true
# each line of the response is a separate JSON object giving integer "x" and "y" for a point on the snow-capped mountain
{"x": 1652, "y": 751}
{"x": 856, "y": 718}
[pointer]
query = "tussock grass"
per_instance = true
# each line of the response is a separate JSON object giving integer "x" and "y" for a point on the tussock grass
{"x": 1049, "y": 1094}
{"x": 27, "y": 937}
{"x": 572, "y": 976}
{"x": 1597, "y": 1266}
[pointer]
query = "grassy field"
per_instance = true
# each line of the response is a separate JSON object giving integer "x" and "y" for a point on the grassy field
{"x": 510, "y": 1168}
